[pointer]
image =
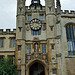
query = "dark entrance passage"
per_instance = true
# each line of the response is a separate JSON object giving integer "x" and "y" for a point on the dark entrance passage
{"x": 37, "y": 69}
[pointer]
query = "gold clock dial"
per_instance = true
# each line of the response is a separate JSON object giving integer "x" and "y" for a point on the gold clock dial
{"x": 35, "y": 24}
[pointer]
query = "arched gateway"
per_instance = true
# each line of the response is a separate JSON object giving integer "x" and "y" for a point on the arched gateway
{"x": 36, "y": 68}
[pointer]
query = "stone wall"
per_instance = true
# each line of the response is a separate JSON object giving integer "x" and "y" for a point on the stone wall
{"x": 70, "y": 65}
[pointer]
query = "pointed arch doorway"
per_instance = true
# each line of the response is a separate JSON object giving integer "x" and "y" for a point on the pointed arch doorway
{"x": 37, "y": 68}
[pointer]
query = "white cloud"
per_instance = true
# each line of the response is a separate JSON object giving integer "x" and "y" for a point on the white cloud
{"x": 68, "y": 4}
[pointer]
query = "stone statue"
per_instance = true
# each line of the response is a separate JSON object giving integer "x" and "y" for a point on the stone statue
{"x": 36, "y": 47}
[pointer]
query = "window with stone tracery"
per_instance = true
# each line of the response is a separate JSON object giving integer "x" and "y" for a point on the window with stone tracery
{"x": 12, "y": 42}
{"x": 36, "y": 32}
{"x": 43, "y": 48}
{"x": 28, "y": 49}
{"x": 41, "y": 17}
{"x": 70, "y": 32}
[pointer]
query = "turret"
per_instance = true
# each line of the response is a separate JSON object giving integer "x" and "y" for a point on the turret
{"x": 20, "y": 19}
{"x": 50, "y": 6}
{"x": 58, "y": 5}
{"x": 50, "y": 17}
{"x": 20, "y": 36}
{"x": 20, "y": 7}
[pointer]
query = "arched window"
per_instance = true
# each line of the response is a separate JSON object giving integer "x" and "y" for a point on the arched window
{"x": 70, "y": 32}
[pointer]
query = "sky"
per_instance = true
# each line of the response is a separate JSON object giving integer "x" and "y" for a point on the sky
{"x": 8, "y": 11}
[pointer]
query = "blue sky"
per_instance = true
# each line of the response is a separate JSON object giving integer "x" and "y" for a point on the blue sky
{"x": 8, "y": 11}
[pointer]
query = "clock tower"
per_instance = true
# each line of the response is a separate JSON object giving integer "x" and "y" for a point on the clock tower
{"x": 43, "y": 42}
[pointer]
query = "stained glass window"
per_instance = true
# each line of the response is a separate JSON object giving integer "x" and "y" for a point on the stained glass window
{"x": 70, "y": 32}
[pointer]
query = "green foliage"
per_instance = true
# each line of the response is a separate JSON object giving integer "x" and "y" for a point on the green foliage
{"x": 6, "y": 67}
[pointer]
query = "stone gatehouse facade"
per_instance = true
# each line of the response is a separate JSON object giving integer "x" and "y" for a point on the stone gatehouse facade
{"x": 43, "y": 42}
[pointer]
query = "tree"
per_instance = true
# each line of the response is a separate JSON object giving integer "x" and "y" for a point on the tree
{"x": 6, "y": 67}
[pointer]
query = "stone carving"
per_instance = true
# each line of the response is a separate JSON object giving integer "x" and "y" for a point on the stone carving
{"x": 36, "y": 47}
{"x": 27, "y": 28}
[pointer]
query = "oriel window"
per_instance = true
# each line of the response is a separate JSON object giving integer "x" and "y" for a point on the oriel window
{"x": 70, "y": 32}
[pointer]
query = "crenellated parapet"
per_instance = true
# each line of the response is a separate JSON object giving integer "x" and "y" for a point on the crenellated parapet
{"x": 7, "y": 31}
{"x": 67, "y": 12}
{"x": 27, "y": 8}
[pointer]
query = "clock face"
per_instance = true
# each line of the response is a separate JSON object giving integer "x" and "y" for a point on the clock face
{"x": 35, "y": 24}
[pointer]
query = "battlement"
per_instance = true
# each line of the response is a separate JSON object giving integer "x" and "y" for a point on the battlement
{"x": 67, "y": 12}
{"x": 28, "y": 8}
{"x": 8, "y": 31}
